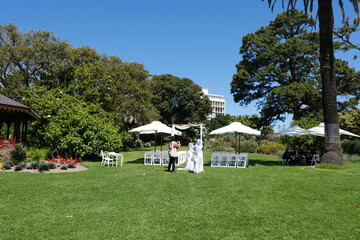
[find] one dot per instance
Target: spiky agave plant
(18, 153)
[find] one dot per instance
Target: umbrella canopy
(236, 128)
(293, 131)
(320, 131)
(154, 128)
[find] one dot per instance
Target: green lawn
(264, 201)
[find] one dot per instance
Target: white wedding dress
(189, 163)
(199, 160)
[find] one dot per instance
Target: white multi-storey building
(217, 103)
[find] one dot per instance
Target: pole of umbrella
(161, 143)
(239, 143)
(155, 141)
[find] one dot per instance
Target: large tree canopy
(179, 100)
(280, 70)
(333, 152)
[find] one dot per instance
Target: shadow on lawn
(137, 161)
(264, 163)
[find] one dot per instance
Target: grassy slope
(264, 201)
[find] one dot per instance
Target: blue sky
(196, 39)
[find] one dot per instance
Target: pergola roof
(8, 104)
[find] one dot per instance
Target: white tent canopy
(320, 131)
(293, 131)
(236, 128)
(154, 128)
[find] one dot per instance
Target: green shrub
(37, 154)
(43, 166)
(18, 168)
(248, 146)
(352, 157)
(34, 165)
(23, 165)
(71, 165)
(51, 165)
(351, 147)
(129, 142)
(64, 167)
(138, 143)
(9, 162)
(270, 148)
(18, 153)
(7, 165)
(147, 144)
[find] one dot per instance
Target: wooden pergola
(16, 115)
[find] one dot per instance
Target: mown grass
(264, 201)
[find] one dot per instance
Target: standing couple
(194, 157)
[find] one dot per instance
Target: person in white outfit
(189, 154)
(198, 158)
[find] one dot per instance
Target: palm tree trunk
(333, 152)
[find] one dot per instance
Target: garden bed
(78, 168)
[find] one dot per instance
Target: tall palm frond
(309, 6)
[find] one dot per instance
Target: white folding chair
(232, 160)
(223, 161)
(148, 158)
(106, 159)
(215, 159)
(165, 158)
(315, 159)
(242, 160)
(157, 158)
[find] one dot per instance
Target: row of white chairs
(226, 159)
(162, 158)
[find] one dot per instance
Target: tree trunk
(332, 151)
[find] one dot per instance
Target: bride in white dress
(198, 158)
(190, 152)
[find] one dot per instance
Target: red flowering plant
(63, 161)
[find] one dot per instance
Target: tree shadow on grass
(264, 163)
(137, 161)
(271, 163)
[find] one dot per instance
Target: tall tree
(25, 58)
(333, 152)
(279, 68)
(179, 100)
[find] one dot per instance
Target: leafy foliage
(179, 100)
(70, 125)
(280, 70)
(217, 122)
(349, 120)
(270, 147)
(351, 147)
(18, 153)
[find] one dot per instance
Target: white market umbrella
(320, 131)
(236, 128)
(293, 131)
(154, 128)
